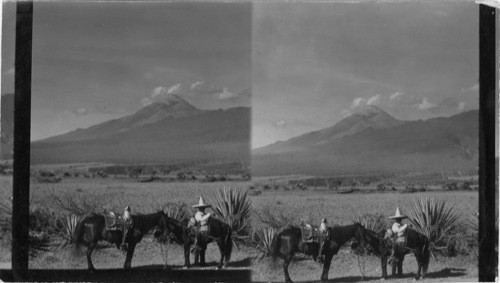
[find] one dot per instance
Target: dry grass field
(113, 194)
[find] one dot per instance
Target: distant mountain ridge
(173, 131)
(375, 142)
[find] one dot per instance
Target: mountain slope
(158, 133)
(431, 145)
(174, 107)
(368, 117)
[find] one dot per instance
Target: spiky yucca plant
(233, 206)
(434, 218)
(66, 228)
(178, 211)
(263, 240)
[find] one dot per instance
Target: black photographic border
(20, 215)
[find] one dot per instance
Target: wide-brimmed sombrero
(201, 203)
(398, 215)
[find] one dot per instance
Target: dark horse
(289, 241)
(419, 245)
(219, 232)
(381, 247)
(92, 228)
(177, 232)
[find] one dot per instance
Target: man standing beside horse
(202, 218)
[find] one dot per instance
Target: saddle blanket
(113, 222)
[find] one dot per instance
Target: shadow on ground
(141, 274)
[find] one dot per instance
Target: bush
(263, 240)
(233, 206)
(275, 217)
(433, 218)
(177, 211)
(77, 204)
(65, 228)
(450, 186)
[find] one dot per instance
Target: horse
(416, 243)
(92, 228)
(219, 232)
(289, 241)
(177, 232)
(381, 247)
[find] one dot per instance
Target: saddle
(114, 222)
(310, 233)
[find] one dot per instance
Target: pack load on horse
(406, 240)
(209, 229)
(119, 230)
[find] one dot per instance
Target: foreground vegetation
(256, 217)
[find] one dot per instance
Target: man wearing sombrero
(202, 218)
(398, 230)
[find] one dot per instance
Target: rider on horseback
(201, 217)
(127, 224)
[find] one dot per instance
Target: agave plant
(233, 206)
(178, 211)
(66, 228)
(263, 240)
(434, 218)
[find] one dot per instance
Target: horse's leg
(130, 254)
(326, 267)
(90, 248)
(286, 263)
(186, 256)
(400, 265)
(202, 255)
(383, 261)
(222, 254)
(418, 256)
(197, 258)
(394, 266)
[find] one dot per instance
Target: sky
(316, 63)
(97, 61)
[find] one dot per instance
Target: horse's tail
(79, 234)
(426, 256)
(276, 245)
(229, 244)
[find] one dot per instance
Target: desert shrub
(466, 186)
(181, 176)
(381, 187)
(374, 222)
(450, 186)
(77, 204)
(65, 228)
(434, 218)
(233, 206)
(255, 193)
(275, 217)
(263, 240)
(179, 211)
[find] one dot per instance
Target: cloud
(461, 106)
(396, 95)
(81, 111)
(282, 123)
(175, 89)
(146, 101)
(345, 113)
(361, 101)
(426, 105)
(195, 84)
(473, 88)
(226, 94)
